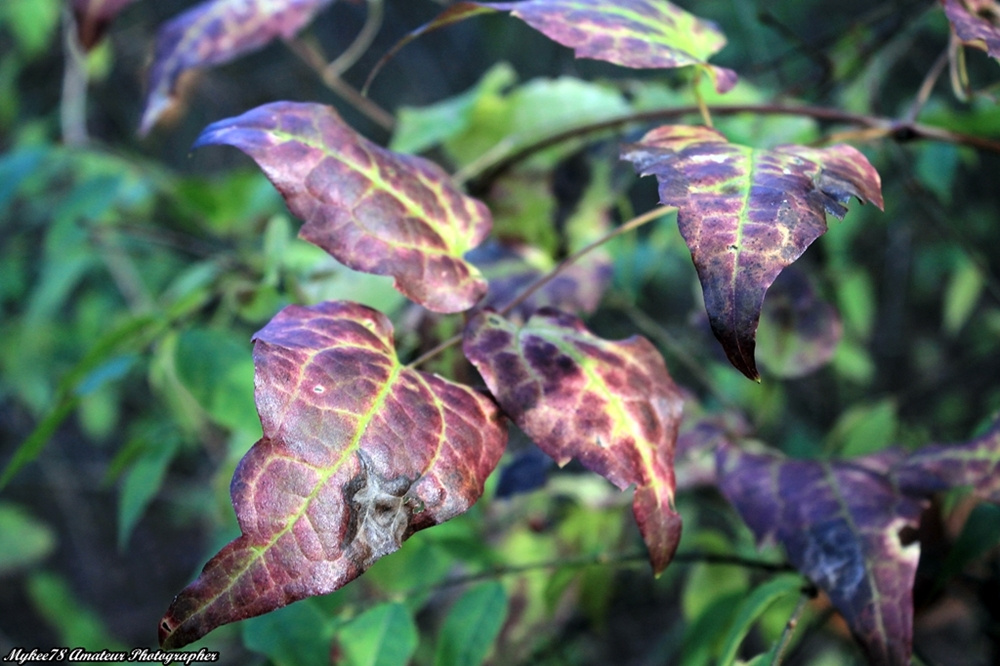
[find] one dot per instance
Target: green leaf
(472, 625)
(76, 624)
(747, 213)
(297, 635)
(24, 540)
(753, 607)
(381, 636)
(358, 453)
(142, 481)
(961, 295)
(420, 128)
(218, 371)
(864, 429)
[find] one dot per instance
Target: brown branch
(878, 128)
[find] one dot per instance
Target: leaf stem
(73, 104)
(778, 653)
(706, 117)
(634, 223)
(351, 55)
(924, 93)
(309, 52)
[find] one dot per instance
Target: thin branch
(793, 621)
(634, 223)
(600, 559)
(880, 128)
(310, 54)
(924, 93)
(347, 59)
(73, 103)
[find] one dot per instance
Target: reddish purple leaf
(699, 440)
(643, 34)
(746, 213)
(511, 268)
(358, 453)
(842, 525)
(372, 209)
(944, 466)
(93, 18)
(976, 22)
(804, 330)
(216, 32)
(611, 405)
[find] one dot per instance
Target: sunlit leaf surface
(215, 32)
(976, 22)
(746, 213)
(372, 209)
(611, 405)
(844, 525)
(358, 453)
(93, 17)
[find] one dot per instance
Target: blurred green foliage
(131, 281)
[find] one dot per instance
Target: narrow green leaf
(472, 625)
(381, 636)
(753, 607)
(24, 540)
(76, 624)
(141, 483)
(961, 295)
(296, 635)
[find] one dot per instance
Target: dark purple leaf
(215, 32)
(611, 405)
(843, 525)
(372, 209)
(746, 213)
(358, 453)
(802, 330)
(976, 22)
(93, 18)
(944, 466)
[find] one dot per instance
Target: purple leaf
(372, 209)
(976, 22)
(358, 453)
(611, 405)
(746, 213)
(93, 18)
(511, 268)
(804, 330)
(842, 525)
(943, 466)
(215, 32)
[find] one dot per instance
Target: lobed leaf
(746, 213)
(93, 18)
(976, 22)
(642, 34)
(943, 466)
(611, 405)
(215, 32)
(842, 525)
(372, 209)
(358, 453)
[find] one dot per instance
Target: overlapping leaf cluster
(359, 451)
